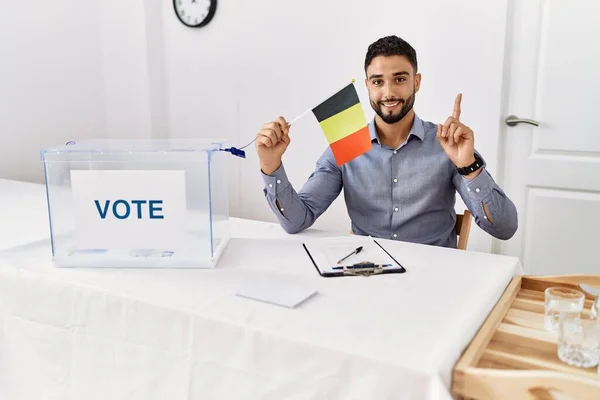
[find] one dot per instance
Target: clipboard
(374, 260)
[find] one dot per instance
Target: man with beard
(405, 187)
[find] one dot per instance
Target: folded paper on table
(277, 292)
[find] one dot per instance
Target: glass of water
(561, 302)
(579, 341)
(596, 308)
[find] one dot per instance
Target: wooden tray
(512, 356)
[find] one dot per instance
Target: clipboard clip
(363, 269)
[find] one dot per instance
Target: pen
(359, 266)
(356, 251)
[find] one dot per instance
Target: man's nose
(387, 92)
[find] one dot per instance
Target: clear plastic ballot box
(137, 203)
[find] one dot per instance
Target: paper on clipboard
(326, 252)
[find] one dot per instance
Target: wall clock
(195, 13)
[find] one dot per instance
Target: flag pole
(306, 112)
(299, 116)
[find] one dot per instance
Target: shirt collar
(416, 129)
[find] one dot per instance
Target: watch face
(195, 13)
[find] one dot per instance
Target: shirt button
(395, 151)
(396, 209)
(395, 180)
(270, 185)
(477, 190)
(278, 181)
(395, 235)
(281, 209)
(468, 189)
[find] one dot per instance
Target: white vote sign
(129, 209)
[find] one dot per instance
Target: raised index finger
(456, 111)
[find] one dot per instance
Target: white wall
(133, 58)
(258, 60)
(125, 67)
(71, 72)
(202, 72)
(51, 80)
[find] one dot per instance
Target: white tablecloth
(183, 334)
(23, 213)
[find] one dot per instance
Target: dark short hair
(391, 46)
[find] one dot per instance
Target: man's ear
(417, 82)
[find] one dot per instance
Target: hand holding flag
(342, 120)
(271, 142)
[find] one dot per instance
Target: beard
(407, 105)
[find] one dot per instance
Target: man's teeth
(391, 104)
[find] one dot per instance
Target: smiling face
(392, 84)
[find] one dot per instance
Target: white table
(183, 334)
(23, 213)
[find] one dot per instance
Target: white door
(552, 171)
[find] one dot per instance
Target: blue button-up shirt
(407, 193)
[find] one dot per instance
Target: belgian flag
(343, 121)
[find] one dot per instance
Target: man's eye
(400, 79)
(377, 82)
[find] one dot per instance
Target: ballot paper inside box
(137, 203)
